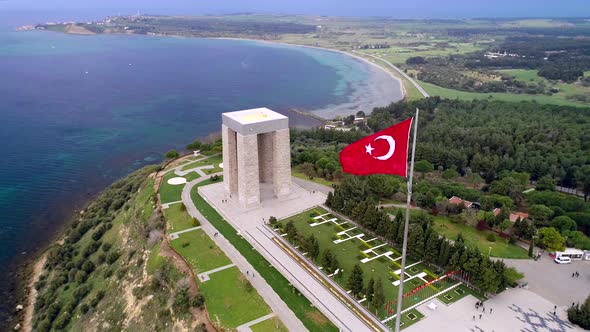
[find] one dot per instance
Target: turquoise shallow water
(79, 112)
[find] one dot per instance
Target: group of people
(575, 275)
(479, 304)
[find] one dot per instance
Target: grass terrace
(172, 193)
(269, 325)
(232, 300)
(199, 251)
(213, 161)
(351, 246)
(178, 219)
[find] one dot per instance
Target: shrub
(185, 244)
(198, 301)
(172, 154)
(196, 222)
(112, 257)
(491, 237)
(84, 308)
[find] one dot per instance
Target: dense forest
(357, 198)
(487, 137)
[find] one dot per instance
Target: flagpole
(407, 222)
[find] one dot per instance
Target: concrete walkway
(205, 275)
(246, 327)
(174, 236)
(401, 72)
(266, 292)
(167, 205)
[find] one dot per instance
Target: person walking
(490, 310)
(479, 316)
(473, 317)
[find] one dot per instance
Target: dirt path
(32, 294)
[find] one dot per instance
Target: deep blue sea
(79, 112)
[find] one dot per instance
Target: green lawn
(213, 160)
(349, 253)
(311, 317)
(458, 293)
(435, 90)
(178, 219)
(201, 252)
(298, 174)
(473, 237)
(230, 302)
(170, 193)
(270, 325)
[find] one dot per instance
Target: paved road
(268, 294)
(401, 72)
(312, 186)
(554, 281)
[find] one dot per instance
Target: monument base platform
(245, 219)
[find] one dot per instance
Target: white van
(562, 260)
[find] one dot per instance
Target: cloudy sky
(392, 8)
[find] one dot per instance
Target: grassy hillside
(111, 273)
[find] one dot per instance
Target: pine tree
(432, 247)
(313, 247)
(355, 281)
(378, 295)
(455, 260)
(370, 216)
(327, 261)
(444, 254)
(370, 290)
(399, 239)
(531, 247)
(416, 241)
(329, 199)
(291, 231)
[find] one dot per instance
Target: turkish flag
(385, 152)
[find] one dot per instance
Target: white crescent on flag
(391, 143)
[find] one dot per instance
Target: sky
(389, 8)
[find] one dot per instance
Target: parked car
(562, 260)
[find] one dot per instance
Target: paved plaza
(554, 281)
(513, 310)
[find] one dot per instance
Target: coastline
(364, 60)
(33, 267)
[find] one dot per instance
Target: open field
(377, 260)
(475, 238)
(435, 90)
(231, 301)
(311, 317)
(399, 55)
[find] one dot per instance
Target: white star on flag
(369, 149)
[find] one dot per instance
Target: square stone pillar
(266, 156)
(248, 171)
(230, 160)
(281, 162)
